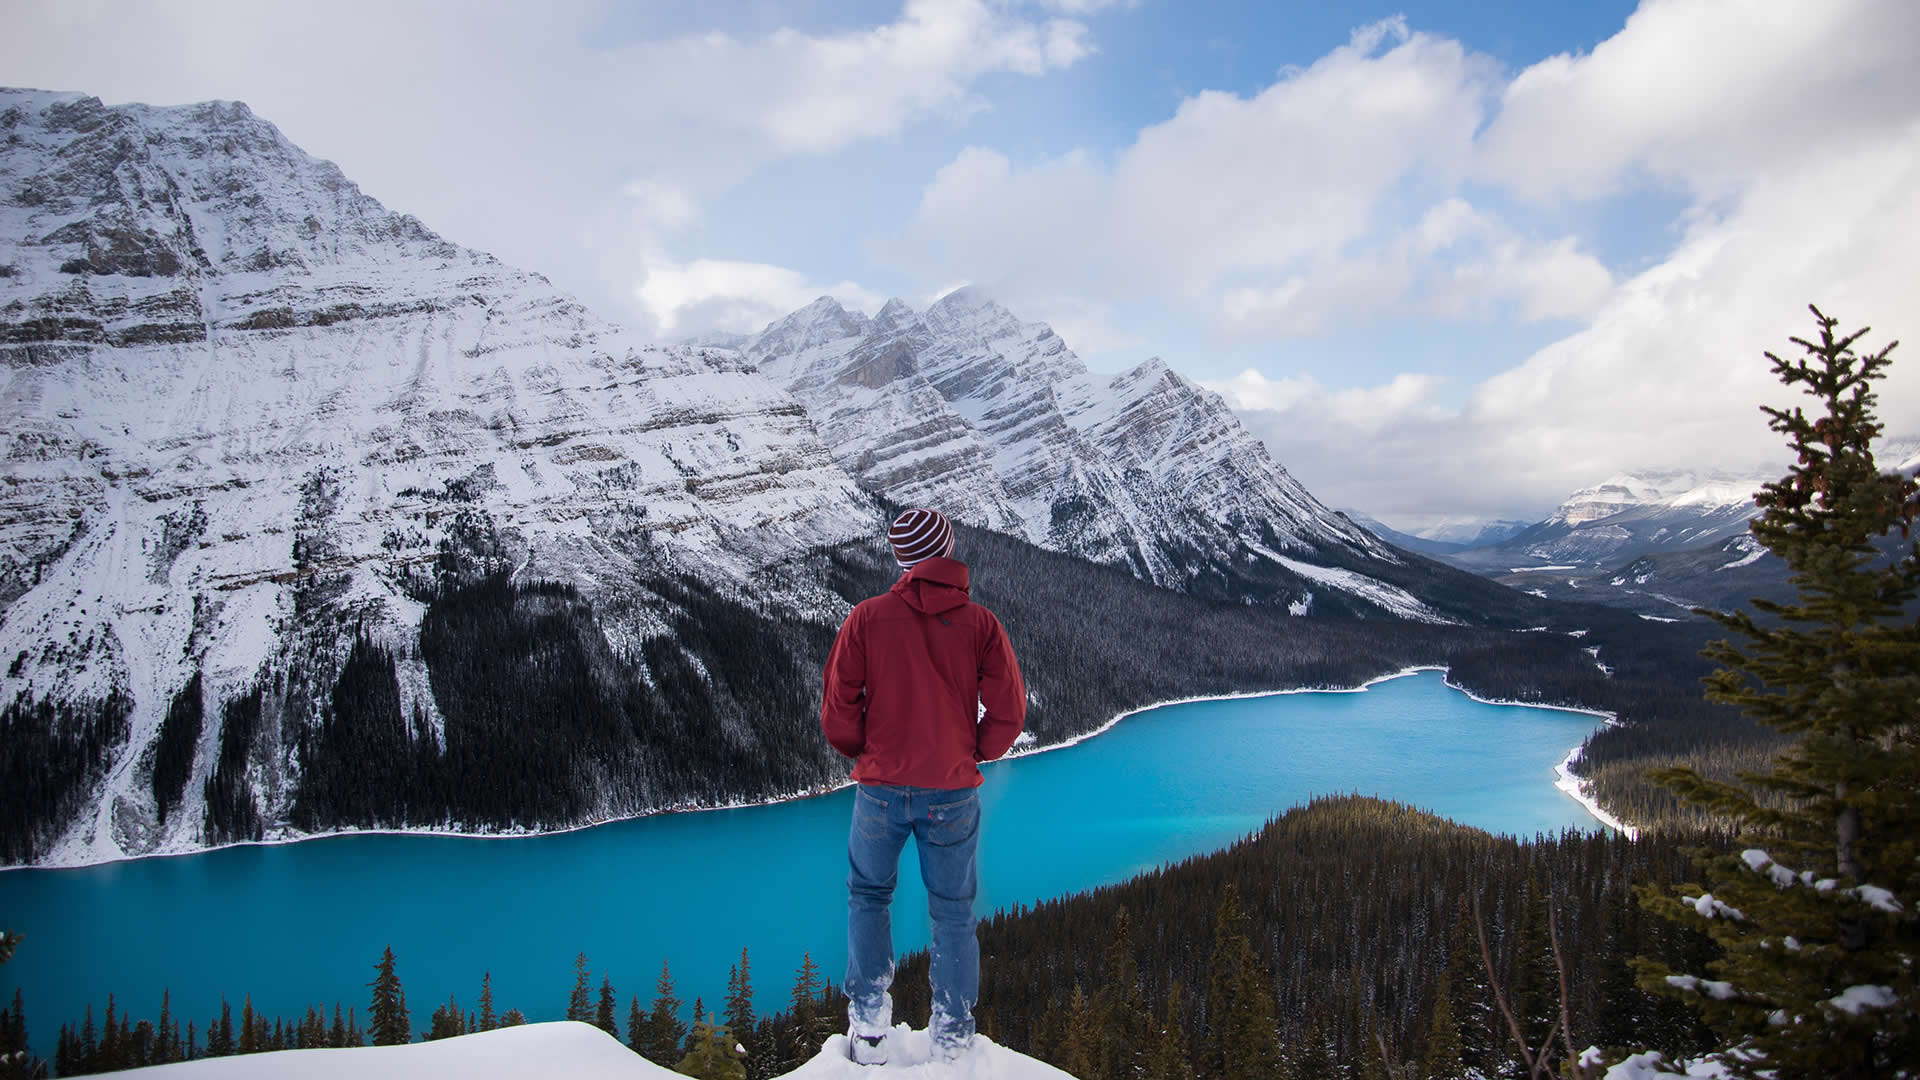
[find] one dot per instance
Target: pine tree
(1535, 994)
(448, 1021)
(1440, 1059)
(603, 1013)
(1819, 915)
(513, 1018)
(1080, 1042)
(713, 1054)
(1472, 1004)
(1314, 1059)
(249, 1037)
(222, 1032)
(636, 1026)
(1120, 1008)
(15, 1060)
(1223, 982)
(488, 1021)
(665, 1029)
(580, 1002)
(810, 1027)
(1241, 1043)
(694, 1038)
(165, 1038)
(1169, 1060)
(739, 1014)
(388, 1012)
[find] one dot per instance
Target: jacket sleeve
(1002, 692)
(843, 701)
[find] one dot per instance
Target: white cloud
(794, 92)
(1706, 92)
(1456, 262)
(1668, 373)
(1272, 213)
(738, 297)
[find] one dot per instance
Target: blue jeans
(946, 830)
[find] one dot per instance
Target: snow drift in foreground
(582, 1052)
(578, 1051)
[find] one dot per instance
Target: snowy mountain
(1624, 518)
(1445, 538)
(251, 416)
(968, 409)
(312, 520)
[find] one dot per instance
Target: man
(905, 685)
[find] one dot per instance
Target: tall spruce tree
(739, 1009)
(1241, 1036)
(1169, 1060)
(603, 1012)
(15, 1060)
(1080, 1041)
(488, 1021)
(1472, 1004)
(1440, 1057)
(1818, 914)
(811, 1026)
(665, 1029)
(1121, 1008)
(388, 1012)
(580, 1001)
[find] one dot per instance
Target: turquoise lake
(302, 924)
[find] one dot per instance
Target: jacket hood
(934, 586)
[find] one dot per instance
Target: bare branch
(1499, 997)
(1566, 1017)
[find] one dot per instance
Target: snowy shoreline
(1564, 781)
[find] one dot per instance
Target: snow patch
(1857, 999)
(1395, 599)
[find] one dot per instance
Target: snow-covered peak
(967, 312)
(1655, 488)
(819, 323)
(968, 409)
(166, 192)
(895, 314)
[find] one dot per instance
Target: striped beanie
(918, 535)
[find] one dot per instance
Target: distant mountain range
(1446, 540)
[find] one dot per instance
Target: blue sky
(1449, 260)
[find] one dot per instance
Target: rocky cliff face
(251, 415)
(965, 408)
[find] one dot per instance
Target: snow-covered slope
(966, 408)
(248, 412)
(579, 1051)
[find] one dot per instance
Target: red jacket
(907, 675)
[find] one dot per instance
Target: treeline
(1356, 923)
(52, 754)
(725, 1043)
(545, 724)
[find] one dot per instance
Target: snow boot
(867, 1049)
